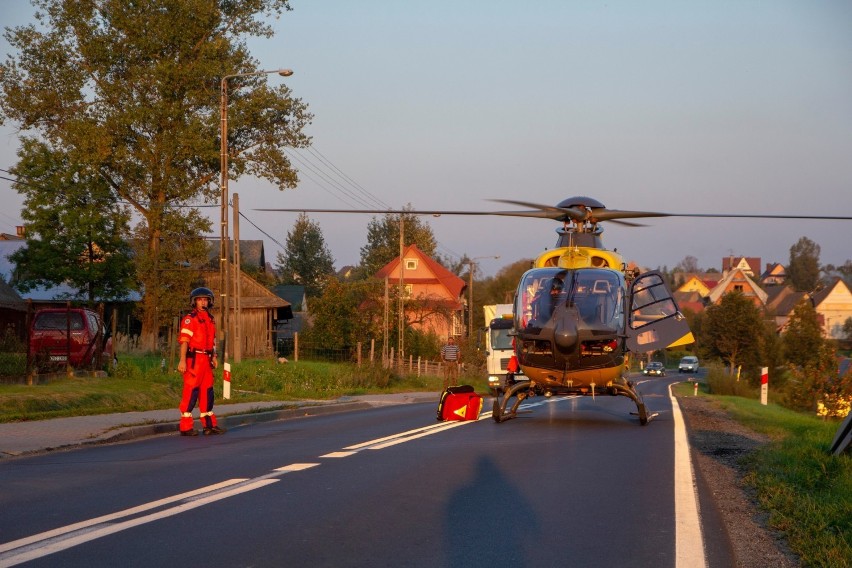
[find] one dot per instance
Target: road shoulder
(719, 443)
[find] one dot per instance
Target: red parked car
(88, 345)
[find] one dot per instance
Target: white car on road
(688, 364)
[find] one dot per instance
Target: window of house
(411, 264)
(409, 289)
(457, 325)
(739, 288)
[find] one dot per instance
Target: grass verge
(806, 491)
(140, 383)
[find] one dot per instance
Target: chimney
(20, 230)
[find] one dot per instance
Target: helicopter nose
(565, 334)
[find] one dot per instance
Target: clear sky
(698, 106)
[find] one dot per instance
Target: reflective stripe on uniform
(186, 414)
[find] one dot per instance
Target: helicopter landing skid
(519, 390)
(499, 413)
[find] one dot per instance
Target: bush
(719, 382)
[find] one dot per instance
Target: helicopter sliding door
(655, 321)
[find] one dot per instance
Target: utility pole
(472, 265)
(401, 330)
(238, 342)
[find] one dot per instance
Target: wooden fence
(294, 350)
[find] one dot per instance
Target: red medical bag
(459, 403)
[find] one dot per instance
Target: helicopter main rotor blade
(761, 216)
(548, 211)
(436, 213)
(593, 215)
(599, 214)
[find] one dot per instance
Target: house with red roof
(434, 296)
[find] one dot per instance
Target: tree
(803, 270)
(307, 260)
(75, 229)
(130, 93)
(689, 264)
(500, 289)
(346, 313)
(732, 330)
(819, 380)
(847, 329)
(383, 239)
(803, 339)
(844, 271)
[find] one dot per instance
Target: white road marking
(338, 455)
(113, 516)
(441, 426)
(296, 467)
(689, 542)
(78, 537)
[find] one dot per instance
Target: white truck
(498, 345)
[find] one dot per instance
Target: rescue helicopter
(579, 312)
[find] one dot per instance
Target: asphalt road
(571, 482)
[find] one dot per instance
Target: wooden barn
(13, 313)
(258, 310)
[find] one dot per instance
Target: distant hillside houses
(768, 290)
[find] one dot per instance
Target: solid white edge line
(689, 541)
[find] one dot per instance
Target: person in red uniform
(197, 361)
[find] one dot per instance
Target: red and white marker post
(226, 377)
(764, 386)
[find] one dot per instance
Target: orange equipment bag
(459, 403)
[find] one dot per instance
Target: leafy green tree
(383, 239)
(307, 260)
(732, 330)
(75, 229)
(847, 329)
(130, 91)
(346, 313)
(803, 269)
(179, 266)
(500, 289)
(803, 338)
(819, 380)
(844, 271)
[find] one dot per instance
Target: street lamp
(223, 165)
(472, 263)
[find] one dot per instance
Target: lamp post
(223, 165)
(472, 264)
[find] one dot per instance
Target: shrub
(720, 382)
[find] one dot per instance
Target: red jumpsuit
(198, 330)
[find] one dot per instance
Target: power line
(273, 239)
(352, 182)
(311, 166)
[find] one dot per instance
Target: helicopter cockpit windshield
(596, 293)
